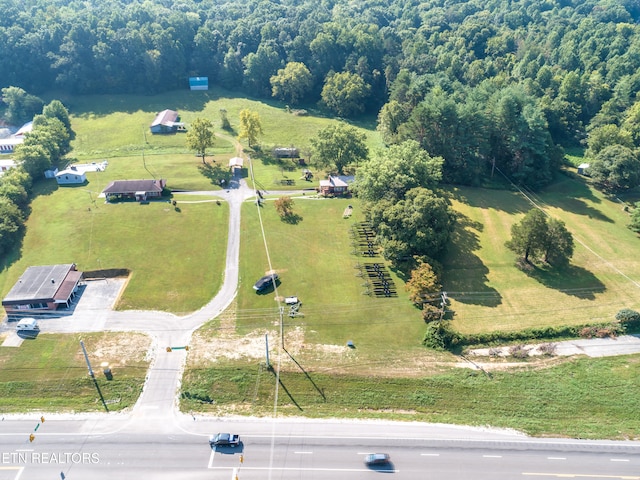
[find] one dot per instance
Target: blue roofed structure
(199, 83)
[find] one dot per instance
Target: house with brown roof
(43, 288)
(167, 121)
(138, 190)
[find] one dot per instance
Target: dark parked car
(265, 282)
(376, 459)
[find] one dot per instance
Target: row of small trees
(44, 146)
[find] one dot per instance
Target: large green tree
(33, 158)
(616, 167)
(529, 237)
(338, 147)
(11, 224)
(541, 239)
(346, 93)
(394, 171)
(56, 109)
(292, 83)
(200, 137)
(419, 224)
(559, 245)
(20, 105)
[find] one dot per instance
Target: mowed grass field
(488, 292)
(119, 127)
(175, 255)
(316, 262)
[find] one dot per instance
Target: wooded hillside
(482, 83)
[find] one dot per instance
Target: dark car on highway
(377, 459)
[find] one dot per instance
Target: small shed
(71, 176)
(198, 83)
(286, 152)
(582, 169)
(236, 162)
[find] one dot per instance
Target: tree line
(43, 148)
(489, 85)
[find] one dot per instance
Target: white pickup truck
(224, 440)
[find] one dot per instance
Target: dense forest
(485, 84)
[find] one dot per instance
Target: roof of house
(165, 117)
(71, 171)
(44, 284)
(333, 182)
(133, 186)
(26, 128)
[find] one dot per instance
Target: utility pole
(93, 377)
(266, 339)
(282, 327)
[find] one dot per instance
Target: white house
(71, 176)
(6, 164)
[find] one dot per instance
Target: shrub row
(441, 336)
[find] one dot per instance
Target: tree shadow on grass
(292, 218)
(465, 278)
(215, 173)
(570, 280)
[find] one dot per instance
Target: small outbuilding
(198, 83)
(286, 152)
(71, 176)
(236, 162)
(138, 190)
(582, 169)
(167, 121)
(43, 288)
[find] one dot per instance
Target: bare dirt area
(221, 343)
(119, 349)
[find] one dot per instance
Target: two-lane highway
(117, 448)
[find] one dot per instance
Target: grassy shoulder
(50, 373)
(550, 401)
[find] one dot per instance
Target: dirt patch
(120, 350)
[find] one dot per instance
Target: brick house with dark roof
(139, 190)
(45, 287)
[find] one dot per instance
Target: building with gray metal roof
(45, 287)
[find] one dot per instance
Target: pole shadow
(318, 389)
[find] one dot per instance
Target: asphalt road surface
(103, 447)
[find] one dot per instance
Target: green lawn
(50, 373)
(488, 292)
(172, 268)
(315, 262)
(120, 128)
